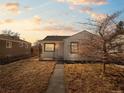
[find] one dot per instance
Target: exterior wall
(80, 37)
(15, 51)
(75, 38)
(57, 54)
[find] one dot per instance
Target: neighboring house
(13, 47)
(63, 47)
(119, 48)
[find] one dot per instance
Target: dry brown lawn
(28, 76)
(88, 78)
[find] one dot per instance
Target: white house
(65, 47)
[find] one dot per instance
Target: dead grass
(29, 76)
(88, 78)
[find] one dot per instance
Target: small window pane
(74, 47)
(8, 44)
(49, 47)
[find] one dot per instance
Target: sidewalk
(56, 84)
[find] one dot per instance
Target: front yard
(29, 76)
(88, 78)
(32, 76)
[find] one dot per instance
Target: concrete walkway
(56, 84)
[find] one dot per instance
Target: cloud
(61, 0)
(86, 2)
(86, 10)
(73, 7)
(94, 15)
(87, 7)
(60, 28)
(37, 19)
(28, 8)
(97, 16)
(21, 24)
(12, 7)
(6, 21)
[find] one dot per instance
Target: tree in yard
(10, 33)
(89, 48)
(110, 34)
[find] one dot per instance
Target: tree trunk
(105, 56)
(104, 68)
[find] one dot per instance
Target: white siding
(57, 54)
(62, 48)
(84, 35)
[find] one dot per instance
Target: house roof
(82, 33)
(11, 38)
(55, 38)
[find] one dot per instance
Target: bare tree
(108, 30)
(90, 48)
(10, 33)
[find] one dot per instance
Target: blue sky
(35, 19)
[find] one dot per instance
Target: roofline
(14, 40)
(52, 40)
(80, 32)
(55, 40)
(73, 34)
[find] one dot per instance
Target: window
(49, 47)
(21, 44)
(74, 47)
(8, 44)
(26, 45)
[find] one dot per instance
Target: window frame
(48, 50)
(71, 48)
(21, 44)
(10, 44)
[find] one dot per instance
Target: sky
(35, 19)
